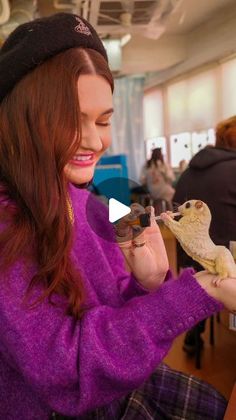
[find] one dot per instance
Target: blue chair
(111, 178)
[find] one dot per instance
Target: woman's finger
(136, 210)
(124, 229)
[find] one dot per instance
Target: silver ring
(137, 245)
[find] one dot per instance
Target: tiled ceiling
(112, 19)
(106, 14)
(116, 17)
(141, 12)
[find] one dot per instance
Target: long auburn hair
(226, 134)
(156, 156)
(40, 131)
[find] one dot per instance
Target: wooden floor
(218, 361)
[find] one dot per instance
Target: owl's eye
(187, 205)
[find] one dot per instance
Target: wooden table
(170, 244)
(230, 413)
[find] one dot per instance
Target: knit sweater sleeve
(75, 366)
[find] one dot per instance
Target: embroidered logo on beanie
(82, 28)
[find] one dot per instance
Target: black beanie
(34, 42)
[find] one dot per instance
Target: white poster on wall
(180, 147)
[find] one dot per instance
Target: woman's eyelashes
(103, 124)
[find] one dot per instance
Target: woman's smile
(83, 159)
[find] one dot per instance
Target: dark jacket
(211, 177)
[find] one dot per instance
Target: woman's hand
(225, 292)
(148, 262)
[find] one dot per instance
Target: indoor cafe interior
(173, 138)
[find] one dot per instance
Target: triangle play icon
(117, 210)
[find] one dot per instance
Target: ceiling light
(125, 39)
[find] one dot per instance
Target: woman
(158, 177)
(79, 335)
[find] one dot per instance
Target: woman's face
(95, 98)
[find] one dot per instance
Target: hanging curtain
(127, 123)
(153, 114)
(228, 88)
(192, 103)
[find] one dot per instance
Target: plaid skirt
(166, 395)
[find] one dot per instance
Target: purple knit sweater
(51, 362)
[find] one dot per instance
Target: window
(153, 114)
(192, 103)
(177, 111)
(202, 100)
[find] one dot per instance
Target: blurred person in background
(183, 164)
(210, 177)
(158, 177)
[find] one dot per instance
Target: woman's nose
(91, 138)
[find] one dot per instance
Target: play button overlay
(109, 201)
(117, 210)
